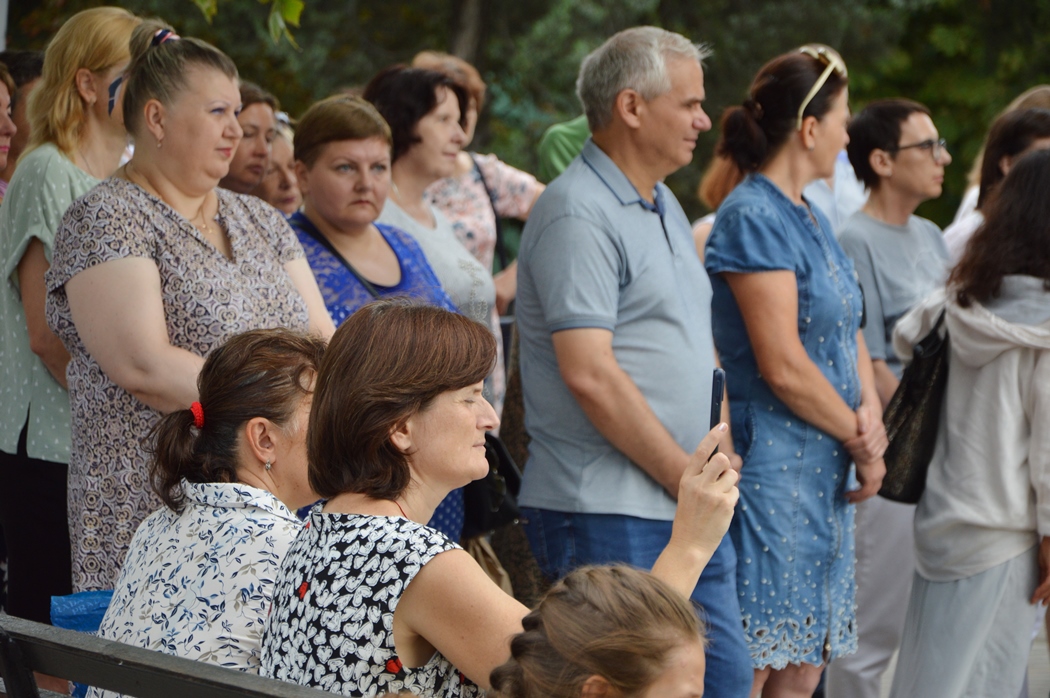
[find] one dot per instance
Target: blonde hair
(1037, 97)
(96, 40)
(615, 622)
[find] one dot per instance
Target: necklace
(148, 186)
(88, 167)
(398, 505)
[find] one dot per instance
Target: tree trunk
(467, 40)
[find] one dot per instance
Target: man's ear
(881, 162)
(629, 105)
(596, 687)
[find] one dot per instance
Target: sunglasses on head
(834, 64)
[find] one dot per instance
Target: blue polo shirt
(596, 254)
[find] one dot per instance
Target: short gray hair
(633, 59)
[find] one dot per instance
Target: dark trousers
(36, 532)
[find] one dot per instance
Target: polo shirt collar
(614, 178)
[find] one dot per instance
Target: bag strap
(501, 246)
(311, 230)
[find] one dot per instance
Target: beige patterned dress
(207, 298)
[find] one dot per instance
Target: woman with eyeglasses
(787, 311)
(76, 142)
(153, 269)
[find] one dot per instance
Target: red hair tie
(198, 414)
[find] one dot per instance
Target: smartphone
(718, 389)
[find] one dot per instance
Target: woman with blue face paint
(75, 143)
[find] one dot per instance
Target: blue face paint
(114, 88)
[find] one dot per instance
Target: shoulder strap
(311, 230)
(501, 247)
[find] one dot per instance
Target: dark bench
(26, 646)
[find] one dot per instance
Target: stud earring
(268, 466)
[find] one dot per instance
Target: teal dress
(793, 529)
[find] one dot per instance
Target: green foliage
(966, 59)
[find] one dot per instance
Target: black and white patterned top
(331, 624)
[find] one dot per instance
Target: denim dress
(793, 528)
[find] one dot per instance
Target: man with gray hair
(616, 350)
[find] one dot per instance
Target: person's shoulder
(924, 225)
(45, 160)
(856, 230)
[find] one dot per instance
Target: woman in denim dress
(787, 311)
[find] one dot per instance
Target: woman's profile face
(683, 677)
(200, 130)
(348, 183)
(447, 439)
(7, 125)
(831, 135)
(441, 138)
(280, 186)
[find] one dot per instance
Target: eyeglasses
(937, 147)
(834, 64)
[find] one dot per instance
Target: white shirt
(199, 584)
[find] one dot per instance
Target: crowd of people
(251, 363)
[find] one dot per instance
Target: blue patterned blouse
(343, 293)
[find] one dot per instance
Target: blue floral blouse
(794, 528)
(343, 293)
(199, 584)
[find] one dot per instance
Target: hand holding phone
(718, 389)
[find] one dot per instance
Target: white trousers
(969, 638)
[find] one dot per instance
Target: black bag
(912, 418)
(492, 501)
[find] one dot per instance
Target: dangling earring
(160, 142)
(268, 466)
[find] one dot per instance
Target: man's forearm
(620, 412)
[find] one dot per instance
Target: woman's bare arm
(42, 341)
(118, 310)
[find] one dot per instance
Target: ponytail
(743, 141)
(754, 131)
(261, 373)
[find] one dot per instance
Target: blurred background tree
(966, 59)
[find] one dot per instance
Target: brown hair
(96, 40)
(405, 95)
(615, 622)
(1015, 235)
(1010, 135)
(753, 132)
(388, 361)
(253, 94)
(159, 72)
(456, 68)
(260, 373)
(1037, 97)
(337, 118)
(720, 178)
